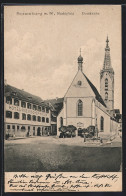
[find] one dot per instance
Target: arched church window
(80, 108)
(106, 84)
(102, 123)
(61, 121)
(106, 96)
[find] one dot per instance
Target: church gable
(79, 87)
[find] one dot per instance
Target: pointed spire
(107, 58)
(107, 41)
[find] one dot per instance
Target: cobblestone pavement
(77, 141)
(48, 154)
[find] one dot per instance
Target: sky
(41, 49)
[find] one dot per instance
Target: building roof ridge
(97, 94)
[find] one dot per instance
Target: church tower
(107, 80)
(80, 62)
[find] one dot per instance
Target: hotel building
(26, 114)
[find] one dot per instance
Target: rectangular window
(28, 105)
(43, 109)
(47, 110)
(23, 116)
(28, 117)
(16, 102)
(47, 120)
(34, 107)
(34, 118)
(23, 104)
(43, 119)
(39, 108)
(8, 100)
(39, 119)
(8, 126)
(16, 115)
(17, 127)
(8, 114)
(33, 128)
(13, 127)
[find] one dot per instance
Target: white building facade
(25, 114)
(83, 106)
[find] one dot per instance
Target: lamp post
(96, 127)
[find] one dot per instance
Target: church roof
(22, 95)
(98, 96)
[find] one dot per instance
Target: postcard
(62, 98)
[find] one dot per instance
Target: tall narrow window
(23, 116)
(28, 117)
(16, 115)
(39, 119)
(61, 121)
(43, 119)
(106, 84)
(23, 104)
(102, 123)
(16, 102)
(8, 100)
(39, 108)
(34, 107)
(47, 120)
(28, 105)
(80, 108)
(106, 96)
(34, 118)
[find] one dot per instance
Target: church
(82, 104)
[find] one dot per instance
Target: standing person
(84, 137)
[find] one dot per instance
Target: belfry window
(106, 96)
(102, 123)
(80, 108)
(106, 84)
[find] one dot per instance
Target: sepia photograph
(62, 94)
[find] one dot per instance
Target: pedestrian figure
(84, 137)
(101, 141)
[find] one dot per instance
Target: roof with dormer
(22, 95)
